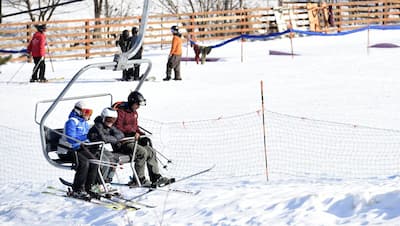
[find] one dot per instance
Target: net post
(264, 132)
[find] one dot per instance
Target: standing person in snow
(127, 122)
(175, 54)
(76, 129)
(37, 50)
(125, 43)
(138, 55)
(104, 130)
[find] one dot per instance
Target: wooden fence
(97, 37)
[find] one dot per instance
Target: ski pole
(51, 60)
(161, 163)
(12, 77)
(145, 130)
(36, 67)
(168, 160)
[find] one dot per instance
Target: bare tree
(98, 8)
(185, 6)
(47, 11)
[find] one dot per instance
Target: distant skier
(175, 55)
(125, 43)
(37, 49)
(138, 55)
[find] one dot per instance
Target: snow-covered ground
(333, 79)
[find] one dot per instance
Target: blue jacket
(76, 127)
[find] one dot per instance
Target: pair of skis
(160, 188)
(102, 201)
(118, 202)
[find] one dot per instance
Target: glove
(144, 141)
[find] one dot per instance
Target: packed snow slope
(332, 79)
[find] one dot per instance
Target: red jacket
(36, 46)
(127, 122)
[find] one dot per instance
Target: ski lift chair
(62, 153)
(51, 142)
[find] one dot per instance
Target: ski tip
(64, 182)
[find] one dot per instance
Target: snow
(333, 78)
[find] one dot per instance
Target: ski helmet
(136, 98)
(41, 27)
(174, 29)
(82, 109)
(109, 112)
(134, 30)
(125, 34)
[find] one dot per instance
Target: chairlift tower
(120, 62)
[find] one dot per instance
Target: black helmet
(136, 98)
(41, 27)
(134, 30)
(175, 29)
(125, 34)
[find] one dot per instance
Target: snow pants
(86, 172)
(174, 62)
(145, 155)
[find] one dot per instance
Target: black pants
(131, 73)
(40, 67)
(86, 172)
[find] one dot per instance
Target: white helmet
(82, 109)
(109, 112)
(81, 105)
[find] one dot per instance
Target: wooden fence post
(339, 16)
(87, 37)
(385, 12)
(29, 37)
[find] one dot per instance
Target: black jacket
(100, 132)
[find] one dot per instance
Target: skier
(104, 130)
(138, 55)
(175, 54)
(37, 49)
(127, 122)
(125, 43)
(76, 129)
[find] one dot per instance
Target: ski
(190, 176)
(148, 79)
(50, 80)
(64, 182)
(121, 199)
(110, 204)
(111, 195)
(179, 180)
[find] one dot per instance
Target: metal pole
(51, 60)
(264, 132)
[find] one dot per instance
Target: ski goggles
(142, 103)
(86, 112)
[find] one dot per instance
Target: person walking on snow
(175, 55)
(127, 122)
(37, 50)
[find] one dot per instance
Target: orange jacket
(176, 48)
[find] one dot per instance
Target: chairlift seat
(58, 152)
(62, 153)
